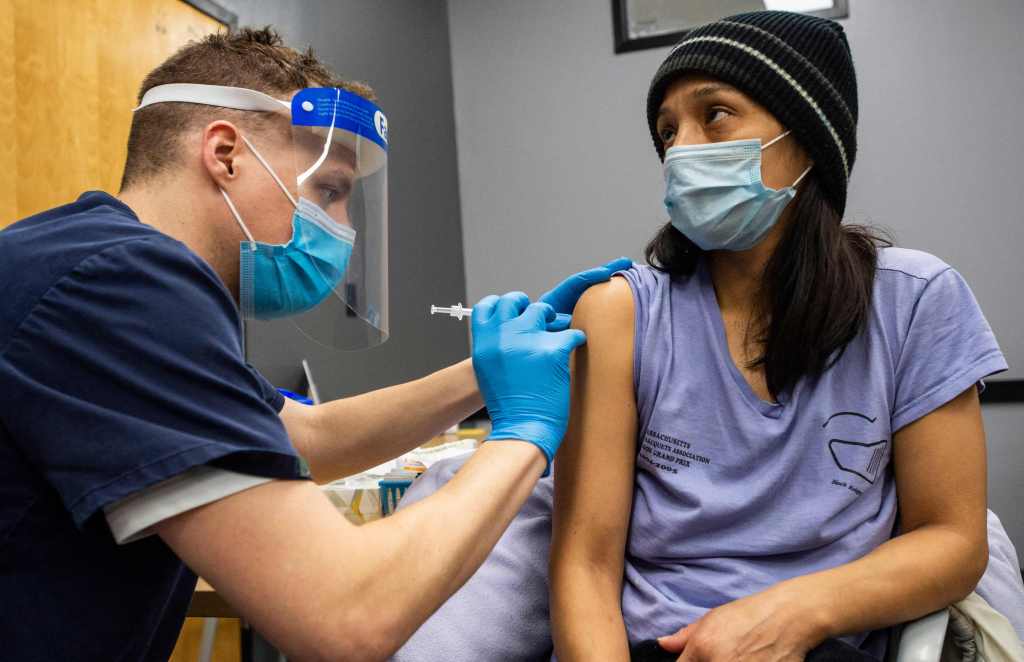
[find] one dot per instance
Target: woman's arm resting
(594, 483)
(939, 463)
(940, 470)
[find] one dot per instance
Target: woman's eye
(667, 135)
(716, 114)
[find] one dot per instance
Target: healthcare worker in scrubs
(138, 448)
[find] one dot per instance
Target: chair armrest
(921, 640)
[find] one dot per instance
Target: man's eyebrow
(337, 173)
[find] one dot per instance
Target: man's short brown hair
(252, 58)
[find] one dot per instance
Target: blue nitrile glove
(523, 369)
(564, 296)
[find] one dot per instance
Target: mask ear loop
(776, 139)
(802, 175)
(231, 205)
(244, 301)
(238, 217)
(263, 162)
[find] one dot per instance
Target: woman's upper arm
(940, 468)
(594, 468)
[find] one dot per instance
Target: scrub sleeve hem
(276, 465)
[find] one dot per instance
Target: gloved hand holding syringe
(562, 298)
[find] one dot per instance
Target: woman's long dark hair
(816, 287)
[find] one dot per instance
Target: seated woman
(776, 443)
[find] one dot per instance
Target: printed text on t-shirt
(668, 453)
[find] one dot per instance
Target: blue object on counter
(391, 492)
(294, 396)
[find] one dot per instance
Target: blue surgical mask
(715, 196)
(281, 280)
(278, 280)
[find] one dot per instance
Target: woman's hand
(772, 626)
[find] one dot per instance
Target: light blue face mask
(715, 196)
(278, 280)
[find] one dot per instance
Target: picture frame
(625, 41)
(215, 11)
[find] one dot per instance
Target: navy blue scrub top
(121, 366)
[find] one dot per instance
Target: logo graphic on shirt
(860, 458)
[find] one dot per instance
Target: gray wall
(941, 87)
(556, 167)
(1004, 429)
(557, 170)
(401, 48)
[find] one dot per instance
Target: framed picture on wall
(641, 24)
(216, 11)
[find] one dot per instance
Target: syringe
(457, 311)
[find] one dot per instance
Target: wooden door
(70, 72)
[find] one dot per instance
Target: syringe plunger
(458, 311)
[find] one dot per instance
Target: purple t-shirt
(734, 494)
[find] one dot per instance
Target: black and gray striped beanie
(797, 66)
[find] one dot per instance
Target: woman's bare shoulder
(607, 307)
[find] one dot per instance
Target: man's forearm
(429, 550)
(346, 436)
(294, 567)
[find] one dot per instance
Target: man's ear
(222, 144)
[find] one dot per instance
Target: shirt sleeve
(948, 347)
(268, 392)
(133, 517)
(129, 371)
(641, 283)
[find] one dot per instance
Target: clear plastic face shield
(340, 144)
(330, 281)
